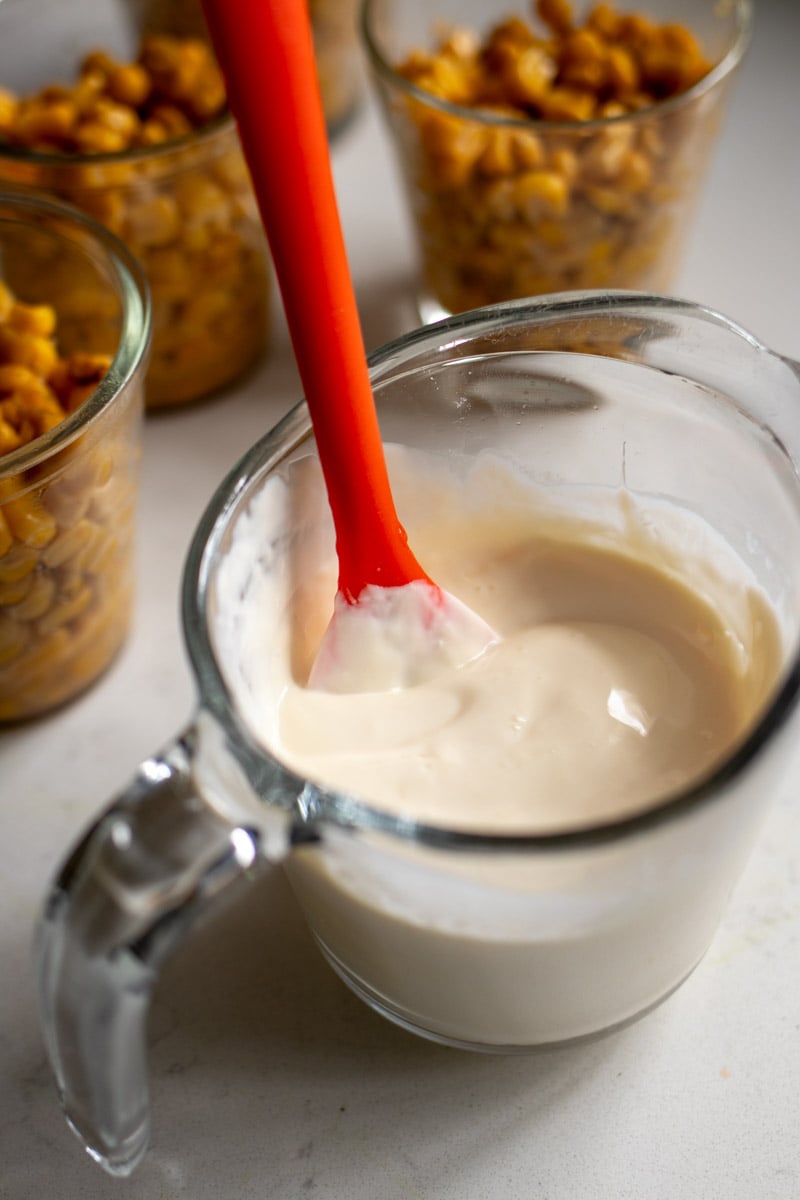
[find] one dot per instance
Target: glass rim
(202, 136)
(326, 806)
(385, 70)
(24, 208)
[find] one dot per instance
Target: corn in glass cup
(68, 497)
(508, 206)
(185, 206)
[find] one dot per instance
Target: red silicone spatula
(265, 50)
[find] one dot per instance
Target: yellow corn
(71, 602)
(36, 319)
(6, 537)
(17, 561)
(29, 520)
(15, 590)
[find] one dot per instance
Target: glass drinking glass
(489, 942)
(185, 207)
(504, 207)
(68, 497)
(338, 54)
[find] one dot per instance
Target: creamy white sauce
(628, 662)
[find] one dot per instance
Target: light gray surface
(269, 1079)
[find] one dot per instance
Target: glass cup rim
(135, 332)
(329, 807)
(203, 137)
(743, 12)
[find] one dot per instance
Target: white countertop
(269, 1079)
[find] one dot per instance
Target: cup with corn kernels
(70, 438)
(118, 107)
(549, 146)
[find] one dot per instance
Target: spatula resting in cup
(392, 626)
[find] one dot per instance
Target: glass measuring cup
(489, 942)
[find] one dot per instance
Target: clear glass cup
(68, 498)
(338, 54)
(496, 943)
(504, 208)
(184, 207)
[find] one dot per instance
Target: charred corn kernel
(208, 95)
(129, 83)
(87, 91)
(93, 137)
(538, 192)
(567, 104)
(605, 19)
(555, 13)
(98, 62)
(153, 133)
(530, 75)
(119, 117)
(45, 121)
(172, 63)
(172, 119)
(622, 75)
(80, 367)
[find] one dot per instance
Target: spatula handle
(265, 50)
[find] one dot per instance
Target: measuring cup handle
(127, 894)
